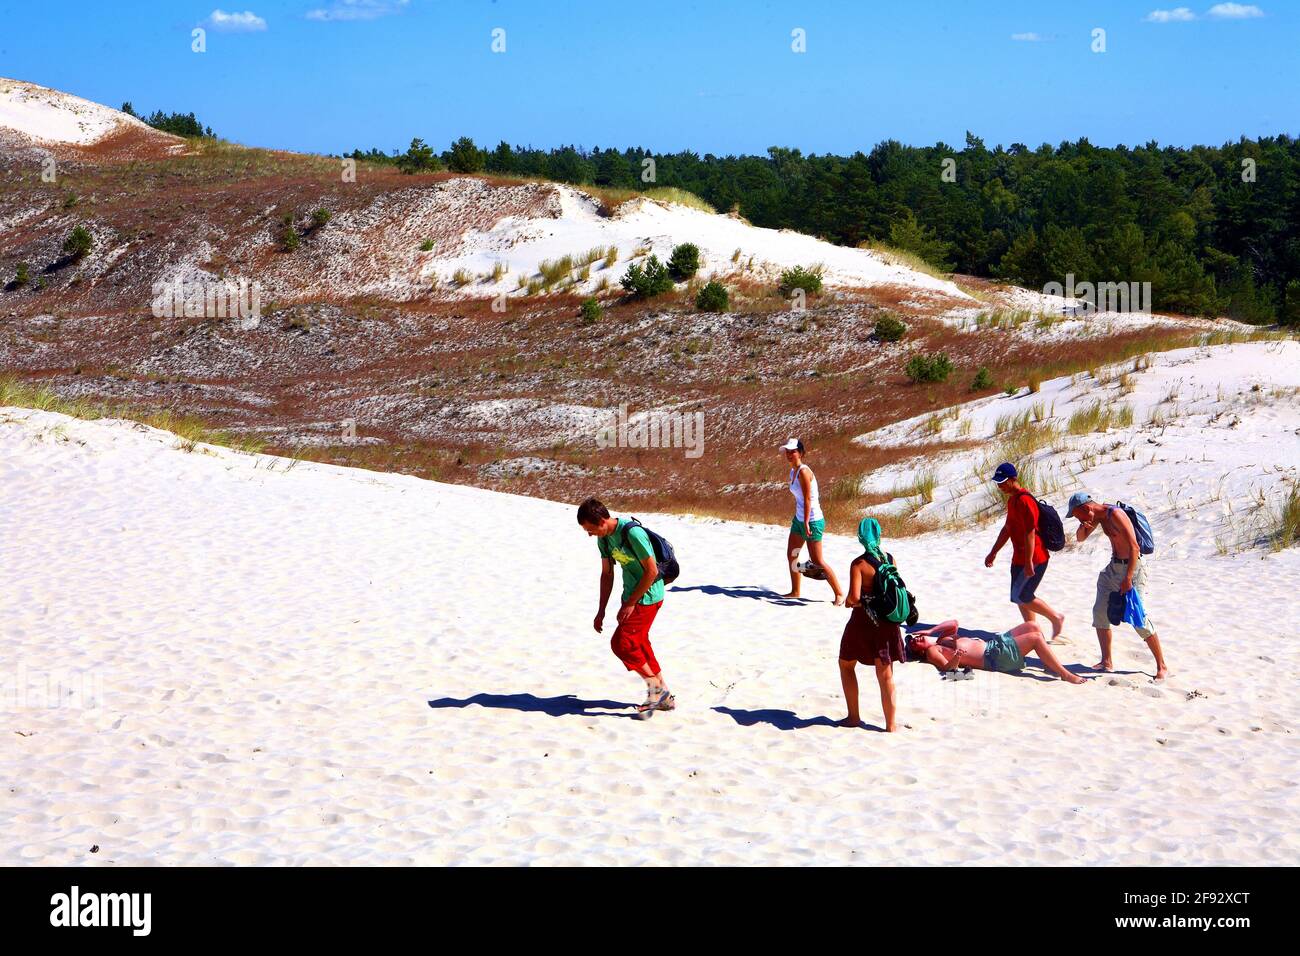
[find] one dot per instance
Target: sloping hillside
(1206, 441)
(37, 119)
(439, 314)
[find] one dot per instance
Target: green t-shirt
(629, 552)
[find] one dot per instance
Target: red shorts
(631, 640)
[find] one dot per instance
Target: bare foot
(850, 722)
(792, 594)
(1073, 679)
(1103, 666)
(1161, 675)
(1058, 625)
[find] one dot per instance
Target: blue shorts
(1023, 588)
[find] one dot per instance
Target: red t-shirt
(1022, 514)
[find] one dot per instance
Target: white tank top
(796, 489)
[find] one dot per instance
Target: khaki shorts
(1110, 579)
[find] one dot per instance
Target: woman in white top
(809, 524)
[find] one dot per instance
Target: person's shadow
(751, 591)
(567, 705)
(780, 719)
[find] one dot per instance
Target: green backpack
(890, 598)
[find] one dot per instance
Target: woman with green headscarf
(868, 639)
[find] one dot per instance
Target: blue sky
(710, 75)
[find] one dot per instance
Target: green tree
(684, 261)
(465, 157)
(418, 158)
(713, 297)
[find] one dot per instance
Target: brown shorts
(870, 643)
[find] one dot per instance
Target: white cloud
(357, 9)
(1235, 11)
(1028, 37)
(246, 22)
(1176, 15)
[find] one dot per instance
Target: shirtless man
(940, 646)
(1125, 571)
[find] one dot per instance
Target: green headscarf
(869, 535)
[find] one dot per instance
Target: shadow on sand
(751, 591)
(568, 705)
(780, 719)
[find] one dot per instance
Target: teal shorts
(818, 528)
(1002, 653)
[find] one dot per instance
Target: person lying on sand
(941, 646)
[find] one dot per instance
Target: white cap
(792, 445)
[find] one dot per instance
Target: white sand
(50, 116)
(523, 243)
(262, 643)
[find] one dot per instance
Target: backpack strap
(627, 527)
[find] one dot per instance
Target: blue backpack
(665, 556)
(1141, 528)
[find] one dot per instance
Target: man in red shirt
(1028, 556)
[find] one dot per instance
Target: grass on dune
(190, 430)
(1284, 522)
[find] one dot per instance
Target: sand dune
(305, 664)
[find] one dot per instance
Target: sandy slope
(1214, 443)
(44, 117)
(728, 245)
(264, 643)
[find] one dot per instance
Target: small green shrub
(889, 328)
(289, 239)
(644, 283)
(929, 368)
(713, 298)
(684, 261)
(320, 217)
(21, 277)
(591, 311)
(426, 246)
(78, 243)
(983, 379)
(810, 280)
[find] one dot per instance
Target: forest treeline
(1214, 229)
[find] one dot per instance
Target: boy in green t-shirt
(643, 594)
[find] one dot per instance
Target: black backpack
(1050, 529)
(665, 556)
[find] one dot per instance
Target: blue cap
(1005, 471)
(1076, 499)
